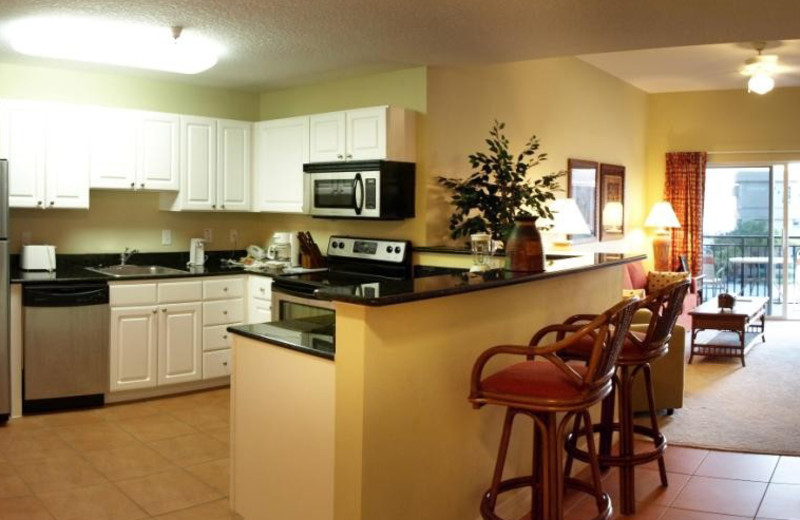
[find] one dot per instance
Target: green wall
(124, 90)
(405, 88)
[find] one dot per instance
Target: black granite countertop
(72, 268)
(315, 336)
(391, 292)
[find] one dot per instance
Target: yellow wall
(403, 88)
(575, 109)
(720, 121)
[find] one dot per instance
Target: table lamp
(612, 217)
(662, 217)
(567, 220)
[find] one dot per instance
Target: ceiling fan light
(760, 84)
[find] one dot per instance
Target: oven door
(344, 194)
(287, 306)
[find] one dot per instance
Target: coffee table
(739, 328)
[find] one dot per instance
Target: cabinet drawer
(131, 295)
(217, 337)
(223, 312)
(217, 364)
(223, 288)
(180, 292)
(259, 287)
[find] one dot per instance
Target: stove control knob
(388, 249)
(397, 250)
(341, 245)
(334, 244)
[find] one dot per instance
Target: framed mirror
(612, 202)
(582, 182)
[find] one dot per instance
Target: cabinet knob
(349, 156)
(155, 311)
(213, 206)
(225, 289)
(223, 206)
(133, 185)
(224, 363)
(225, 336)
(142, 185)
(261, 289)
(39, 203)
(164, 310)
(225, 313)
(340, 156)
(52, 203)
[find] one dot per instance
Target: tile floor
(165, 458)
(708, 485)
(168, 459)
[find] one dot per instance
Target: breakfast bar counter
(385, 431)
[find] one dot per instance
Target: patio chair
(713, 278)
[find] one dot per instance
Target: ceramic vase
(524, 250)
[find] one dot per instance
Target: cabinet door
(233, 165)
(327, 137)
(112, 149)
(22, 129)
(159, 137)
(134, 339)
(259, 311)
(66, 159)
(366, 134)
(280, 152)
(198, 163)
(179, 343)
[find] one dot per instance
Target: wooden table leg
(743, 339)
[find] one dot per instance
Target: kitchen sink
(119, 271)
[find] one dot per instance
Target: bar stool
(638, 351)
(542, 388)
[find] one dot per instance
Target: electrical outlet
(234, 236)
(27, 237)
(208, 235)
(166, 237)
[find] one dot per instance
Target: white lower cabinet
(134, 345)
(217, 364)
(156, 331)
(223, 306)
(179, 331)
(259, 299)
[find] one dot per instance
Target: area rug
(754, 408)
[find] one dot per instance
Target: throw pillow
(659, 279)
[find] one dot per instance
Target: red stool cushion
(583, 347)
(533, 379)
(636, 274)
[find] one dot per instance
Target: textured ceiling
(277, 43)
(699, 67)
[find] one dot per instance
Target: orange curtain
(684, 188)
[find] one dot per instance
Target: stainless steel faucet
(124, 257)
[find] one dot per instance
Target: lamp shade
(662, 216)
(567, 218)
(612, 215)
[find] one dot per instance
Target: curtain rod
(753, 151)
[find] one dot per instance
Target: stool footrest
(526, 481)
(634, 459)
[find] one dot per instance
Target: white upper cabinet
(328, 137)
(159, 140)
(47, 149)
(198, 163)
(113, 149)
(215, 166)
(22, 134)
(66, 159)
(363, 134)
(233, 165)
(281, 149)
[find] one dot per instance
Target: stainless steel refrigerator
(5, 335)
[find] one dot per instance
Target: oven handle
(358, 204)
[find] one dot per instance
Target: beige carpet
(754, 408)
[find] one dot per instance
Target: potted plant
(499, 190)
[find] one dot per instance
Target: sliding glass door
(751, 234)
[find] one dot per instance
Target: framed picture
(582, 181)
(612, 202)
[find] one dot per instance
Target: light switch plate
(234, 236)
(208, 235)
(27, 237)
(166, 237)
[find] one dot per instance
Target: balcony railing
(740, 264)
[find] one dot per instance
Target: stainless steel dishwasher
(65, 346)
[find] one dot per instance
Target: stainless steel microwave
(380, 190)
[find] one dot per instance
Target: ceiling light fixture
(760, 68)
(113, 43)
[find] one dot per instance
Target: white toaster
(38, 258)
